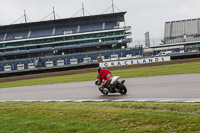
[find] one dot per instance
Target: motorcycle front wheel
(122, 89)
(103, 91)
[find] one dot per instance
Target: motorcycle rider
(106, 75)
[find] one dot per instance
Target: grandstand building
(182, 31)
(64, 42)
(181, 40)
(185, 32)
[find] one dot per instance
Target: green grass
(102, 117)
(124, 73)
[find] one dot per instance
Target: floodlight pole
(25, 16)
(54, 16)
(83, 9)
(113, 7)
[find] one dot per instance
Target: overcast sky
(142, 15)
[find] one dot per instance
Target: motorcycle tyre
(122, 89)
(103, 92)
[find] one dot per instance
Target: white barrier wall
(60, 63)
(20, 67)
(73, 61)
(7, 68)
(87, 60)
(134, 61)
(49, 64)
(31, 66)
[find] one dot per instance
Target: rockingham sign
(134, 61)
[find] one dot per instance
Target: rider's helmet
(99, 69)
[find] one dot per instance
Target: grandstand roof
(67, 21)
(183, 20)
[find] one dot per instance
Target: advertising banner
(134, 61)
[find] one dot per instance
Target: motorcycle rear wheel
(122, 89)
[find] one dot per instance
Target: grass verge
(102, 117)
(184, 68)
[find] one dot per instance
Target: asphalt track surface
(185, 86)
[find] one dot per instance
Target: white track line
(111, 100)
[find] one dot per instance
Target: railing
(182, 39)
(141, 42)
(44, 42)
(78, 54)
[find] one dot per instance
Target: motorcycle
(114, 86)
